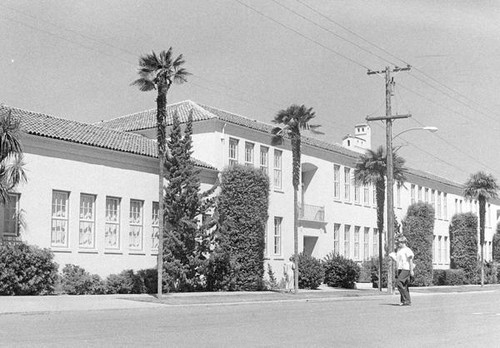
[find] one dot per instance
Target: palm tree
(294, 119)
(481, 186)
(160, 72)
(371, 168)
(11, 155)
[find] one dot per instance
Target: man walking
(404, 260)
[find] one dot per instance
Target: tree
(11, 155)
(481, 186)
(160, 72)
(292, 120)
(187, 241)
(371, 169)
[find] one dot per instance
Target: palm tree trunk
(161, 103)
(296, 180)
(482, 213)
(380, 197)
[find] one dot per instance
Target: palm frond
(144, 84)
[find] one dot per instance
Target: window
(412, 194)
(249, 154)
(336, 231)
(86, 237)
(433, 198)
(366, 244)
(434, 252)
(59, 223)
(277, 235)
(277, 169)
(440, 250)
(11, 216)
(461, 206)
(488, 215)
(233, 151)
(264, 159)
(357, 193)
(135, 225)
(438, 205)
(456, 206)
(420, 193)
(490, 251)
(426, 195)
(356, 242)
(336, 181)
(155, 226)
(112, 224)
(446, 250)
(445, 206)
(366, 194)
(375, 241)
(347, 184)
(374, 195)
(398, 196)
(347, 241)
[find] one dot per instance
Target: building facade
(91, 194)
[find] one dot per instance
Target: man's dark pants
(402, 283)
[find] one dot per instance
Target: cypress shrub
(311, 273)
(496, 245)
(418, 228)
(26, 270)
(340, 272)
(464, 244)
(243, 211)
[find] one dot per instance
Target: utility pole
(388, 118)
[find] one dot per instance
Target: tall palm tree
(292, 120)
(11, 155)
(481, 186)
(371, 169)
(160, 71)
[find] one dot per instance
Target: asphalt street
(468, 319)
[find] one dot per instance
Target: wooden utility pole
(389, 85)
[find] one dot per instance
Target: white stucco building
(92, 190)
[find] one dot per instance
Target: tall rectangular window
(233, 151)
(374, 195)
(440, 249)
(86, 237)
(356, 242)
(366, 195)
(135, 239)
(277, 235)
(278, 184)
(445, 206)
(59, 223)
(412, 194)
(264, 159)
(249, 154)
(375, 241)
(434, 250)
(446, 250)
(155, 226)
(366, 244)
(438, 204)
(11, 216)
(420, 189)
(112, 224)
(488, 215)
(357, 193)
(336, 181)
(347, 184)
(426, 195)
(433, 198)
(347, 241)
(336, 232)
(456, 205)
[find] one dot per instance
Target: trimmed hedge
(311, 272)
(464, 245)
(340, 272)
(449, 277)
(26, 270)
(418, 228)
(243, 211)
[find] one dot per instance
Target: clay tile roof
(39, 124)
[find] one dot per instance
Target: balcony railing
(311, 213)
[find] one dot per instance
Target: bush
(365, 275)
(418, 228)
(374, 266)
(26, 270)
(496, 245)
(340, 272)
(77, 281)
(464, 245)
(311, 272)
(449, 277)
(149, 279)
(243, 211)
(127, 282)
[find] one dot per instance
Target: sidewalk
(37, 304)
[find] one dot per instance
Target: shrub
(340, 272)
(26, 270)
(464, 244)
(418, 228)
(311, 272)
(449, 277)
(149, 279)
(243, 211)
(127, 282)
(271, 282)
(374, 266)
(77, 281)
(496, 245)
(365, 275)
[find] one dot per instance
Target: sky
(77, 60)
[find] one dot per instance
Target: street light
(429, 128)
